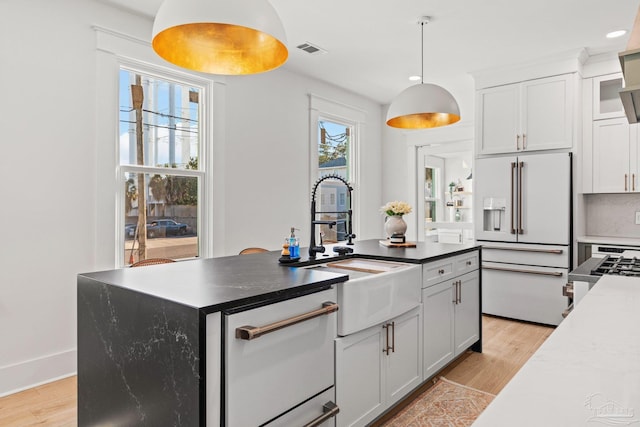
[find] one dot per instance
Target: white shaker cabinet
(376, 367)
(615, 156)
(526, 116)
(451, 310)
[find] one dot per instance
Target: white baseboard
(35, 372)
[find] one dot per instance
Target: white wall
(49, 172)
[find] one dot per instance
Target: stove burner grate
(619, 266)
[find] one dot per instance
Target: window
(334, 155)
(162, 176)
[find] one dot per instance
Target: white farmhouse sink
(376, 291)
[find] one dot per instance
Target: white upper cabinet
(526, 116)
(606, 98)
(610, 144)
(615, 156)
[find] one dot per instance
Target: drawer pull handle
(516, 270)
(329, 410)
(252, 332)
(469, 263)
(546, 251)
(441, 271)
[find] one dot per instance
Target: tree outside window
(159, 148)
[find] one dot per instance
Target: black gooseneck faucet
(313, 248)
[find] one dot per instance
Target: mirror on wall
(445, 192)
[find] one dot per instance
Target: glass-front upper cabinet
(606, 97)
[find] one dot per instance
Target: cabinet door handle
(393, 337)
(524, 141)
(329, 410)
(518, 142)
(625, 182)
(633, 182)
(252, 332)
(386, 348)
(459, 291)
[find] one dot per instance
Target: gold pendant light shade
(231, 37)
(423, 106)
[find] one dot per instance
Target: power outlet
(638, 218)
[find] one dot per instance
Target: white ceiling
(373, 46)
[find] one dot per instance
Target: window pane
(169, 116)
(333, 149)
(170, 205)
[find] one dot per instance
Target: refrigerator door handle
(513, 167)
(518, 270)
(546, 251)
(520, 167)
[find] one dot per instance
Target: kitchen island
(586, 373)
(145, 335)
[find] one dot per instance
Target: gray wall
(612, 215)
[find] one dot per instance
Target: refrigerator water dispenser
(494, 210)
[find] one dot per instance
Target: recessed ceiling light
(614, 34)
(414, 78)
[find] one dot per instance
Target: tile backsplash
(612, 214)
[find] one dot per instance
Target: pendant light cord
(422, 52)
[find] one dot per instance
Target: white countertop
(587, 373)
(604, 240)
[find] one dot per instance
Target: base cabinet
(376, 367)
(451, 312)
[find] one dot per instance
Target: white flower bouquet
(396, 208)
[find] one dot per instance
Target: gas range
(617, 265)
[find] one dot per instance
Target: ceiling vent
(311, 49)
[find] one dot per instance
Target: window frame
(115, 50)
(323, 109)
(203, 166)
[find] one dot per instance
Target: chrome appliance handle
(329, 410)
(546, 251)
(252, 332)
(516, 270)
(520, 167)
(513, 166)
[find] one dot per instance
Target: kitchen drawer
(437, 271)
(322, 405)
(466, 263)
(523, 292)
(543, 255)
(298, 358)
(444, 269)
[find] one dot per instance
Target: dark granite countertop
(216, 284)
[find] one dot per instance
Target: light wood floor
(507, 345)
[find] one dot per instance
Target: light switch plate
(638, 218)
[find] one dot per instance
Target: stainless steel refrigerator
(523, 210)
